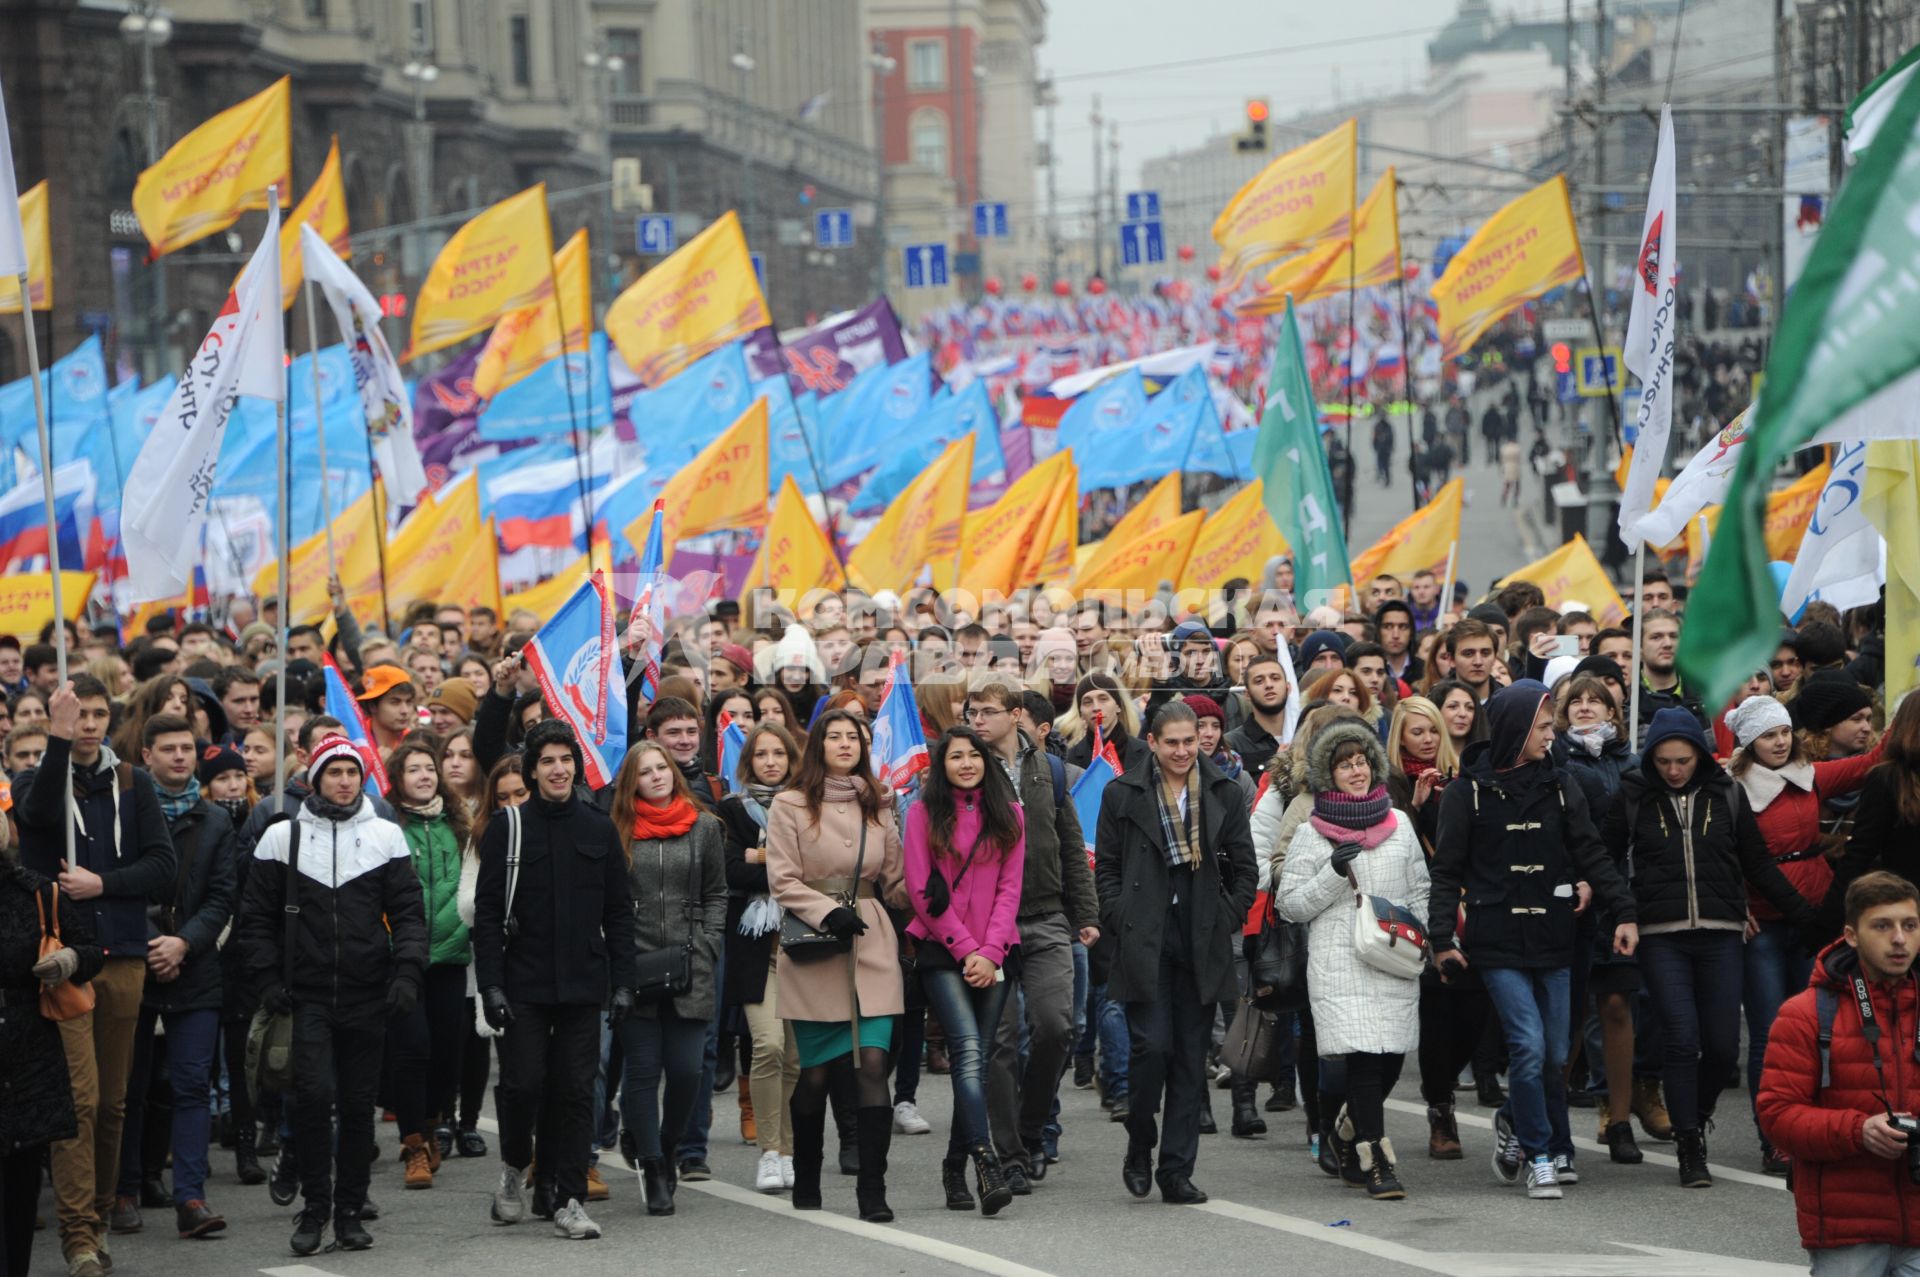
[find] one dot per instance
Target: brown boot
(413, 1152)
(597, 1190)
(1443, 1134)
(1651, 1112)
(749, 1129)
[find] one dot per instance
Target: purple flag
(826, 357)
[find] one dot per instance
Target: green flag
(1846, 359)
(1292, 462)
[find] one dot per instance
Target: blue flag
(1100, 415)
(1176, 430)
(650, 601)
(538, 405)
(689, 410)
(574, 657)
(899, 743)
(863, 423)
(788, 434)
(948, 419)
(1102, 768)
(733, 743)
(342, 705)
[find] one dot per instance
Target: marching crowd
(1333, 848)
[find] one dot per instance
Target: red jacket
(1791, 822)
(1845, 1195)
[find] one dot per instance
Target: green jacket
(436, 862)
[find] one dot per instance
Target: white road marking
(1652, 1261)
(1729, 1173)
(298, 1270)
(891, 1235)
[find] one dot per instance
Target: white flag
(383, 391)
(1651, 325)
(244, 353)
(13, 239)
(1842, 557)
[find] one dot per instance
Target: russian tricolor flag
(342, 705)
(899, 744)
(574, 657)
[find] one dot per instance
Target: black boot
(1691, 1149)
(348, 1232)
(953, 1180)
(809, 1140)
(994, 1193)
(657, 1177)
(1247, 1121)
(1347, 1151)
(246, 1162)
(1621, 1146)
(874, 1128)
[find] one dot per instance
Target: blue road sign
(1141, 243)
(1599, 371)
(1563, 388)
(926, 265)
(833, 228)
(653, 234)
(1143, 206)
(990, 220)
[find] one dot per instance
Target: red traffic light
(1257, 110)
(1562, 357)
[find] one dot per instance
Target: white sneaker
(510, 1199)
(1542, 1183)
(571, 1222)
(767, 1179)
(1563, 1169)
(907, 1119)
(786, 1171)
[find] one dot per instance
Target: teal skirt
(822, 1041)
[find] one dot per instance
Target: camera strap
(1870, 1027)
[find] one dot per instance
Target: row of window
(621, 42)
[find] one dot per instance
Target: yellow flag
(1370, 259)
(802, 556)
(702, 297)
(921, 529)
(544, 599)
(1301, 198)
(1159, 507)
(1417, 542)
(1523, 250)
(26, 599)
(1790, 510)
(724, 487)
(500, 261)
(1235, 541)
(217, 172)
(324, 207)
(1143, 563)
(995, 547)
(355, 552)
(1050, 554)
(526, 338)
(445, 551)
(1892, 504)
(35, 221)
(1572, 574)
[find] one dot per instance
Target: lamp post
(882, 66)
(603, 75)
(743, 64)
(148, 26)
(421, 72)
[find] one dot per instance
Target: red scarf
(651, 820)
(1414, 769)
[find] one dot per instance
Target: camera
(1909, 1126)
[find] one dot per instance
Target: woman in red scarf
(676, 857)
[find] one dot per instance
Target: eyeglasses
(980, 713)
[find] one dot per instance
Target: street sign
(1566, 329)
(1597, 373)
(1563, 388)
(990, 220)
(833, 228)
(1143, 206)
(926, 265)
(653, 234)
(1141, 243)
(759, 269)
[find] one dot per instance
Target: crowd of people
(1407, 833)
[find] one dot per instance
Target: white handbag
(1387, 937)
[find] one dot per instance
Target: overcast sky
(1296, 53)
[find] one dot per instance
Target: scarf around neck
(1182, 833)
(1593, 737)
(843, 789)
(172, 805)
(333, 811)
(654, 820)
(1363, 818)
(1764, 784)
(432, 809)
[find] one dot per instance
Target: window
(624, 43)
(317, 12)
(519, 50)
(927, 141)
(420, 24)
(926, 64)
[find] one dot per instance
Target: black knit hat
(217, 760)
(1604, 666)
(1827, 699)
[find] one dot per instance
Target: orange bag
(65, 1000)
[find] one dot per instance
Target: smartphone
(1566, 645)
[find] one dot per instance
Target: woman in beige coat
(837, 817)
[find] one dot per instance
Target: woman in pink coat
(965, 853)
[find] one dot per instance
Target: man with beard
(1660, 684)
(1258, 739)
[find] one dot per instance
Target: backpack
(1059, 770)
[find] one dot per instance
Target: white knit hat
(1559, 667)
(1755, 717)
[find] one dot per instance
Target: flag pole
(582, 474)
(283, 488)
(1353, 349)
(1406, 363)
(320, 431)
(1446, 588)
(1606, 370)
(53, 524)
(1633, 674)
(820, 481)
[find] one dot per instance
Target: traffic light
(1562, 357)
(1255, 138)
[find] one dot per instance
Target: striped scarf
(1183, 837)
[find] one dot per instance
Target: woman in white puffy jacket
(1368, 1017)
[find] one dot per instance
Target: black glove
(844, 923)
(401, 997)
(1344, 855)
(275, 999)
(621, 1006)
(493, 1006)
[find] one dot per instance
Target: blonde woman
(1420, 762)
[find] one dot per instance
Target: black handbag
(803, 943)
(1252, 1043)
(1277, 971)
(666, 974)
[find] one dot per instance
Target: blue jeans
(1532, 1005)
(1775, 969)
(1108, 1020)
(663, 1043)
(968, 1016)
(192, 1037)
(693, 1144)
(1080, 984)
(1694, 980)
(1869, 1259)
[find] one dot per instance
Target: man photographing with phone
(1841, 1083)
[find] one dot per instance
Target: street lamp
(420, 72)
(882, 66)
(148, 26)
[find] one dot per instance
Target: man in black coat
(545, 963)
(1517, 843)
(122, 857)
(183, 976)
(1173, 861)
